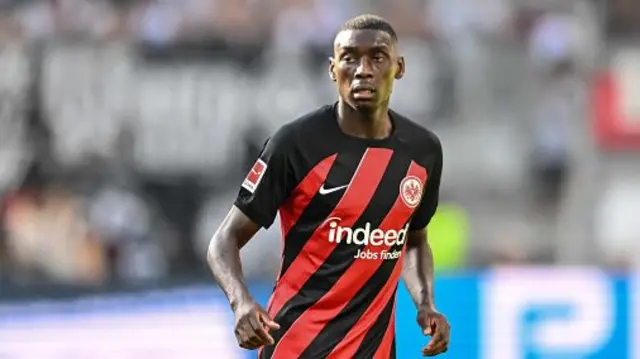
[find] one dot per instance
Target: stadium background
(126, 127)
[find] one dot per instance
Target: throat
(370, 125)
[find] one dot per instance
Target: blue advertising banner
(528, 313)
(532, 314)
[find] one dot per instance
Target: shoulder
(416, 137)
(302, 129)
(312, 122)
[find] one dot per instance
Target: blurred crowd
(126, 127)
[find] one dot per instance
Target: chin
(365, 107)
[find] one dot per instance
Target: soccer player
(355, 184)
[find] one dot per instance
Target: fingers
(435, 350)
(246, 336)
(252, 332)
(426, 322)
(439, 342)
(242, 336)
(260, 330)
(428, 331)
(264, 317)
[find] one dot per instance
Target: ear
(332, 65)
(400, 68)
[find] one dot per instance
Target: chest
(363, 186)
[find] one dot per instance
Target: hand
(253, 325)
(435, 325)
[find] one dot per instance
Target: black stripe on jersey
(393, 349)
(343, 255)
(338, 327)
(375, 335)
(320, 207)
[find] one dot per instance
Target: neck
(371, 125)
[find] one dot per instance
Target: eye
(348, 58)
(379, 57)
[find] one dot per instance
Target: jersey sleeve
(429, 202)
(268, 183)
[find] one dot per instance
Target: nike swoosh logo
(324, 191)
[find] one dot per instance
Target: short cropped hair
(369, 22)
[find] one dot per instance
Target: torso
(344, 227)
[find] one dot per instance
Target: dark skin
(417, 273)
(252, 322)
(364, 67)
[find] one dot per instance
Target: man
(356, 185)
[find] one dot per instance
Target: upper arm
(269, 182)
(237, 226)
(429, 202)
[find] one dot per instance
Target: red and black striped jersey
(346, 205)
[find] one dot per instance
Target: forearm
(223, 257)
(417, 273)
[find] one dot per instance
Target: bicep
(237, 227)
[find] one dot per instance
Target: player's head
(365, 62)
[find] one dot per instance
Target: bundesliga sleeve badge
(254, 177)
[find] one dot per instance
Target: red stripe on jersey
(300, 197)
(348, 347)
(316, 250)
(310, 323)
(384, 350)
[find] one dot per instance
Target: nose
(364, 69)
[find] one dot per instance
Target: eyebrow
(351, 48)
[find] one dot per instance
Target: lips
(363, 91)
(363, 87)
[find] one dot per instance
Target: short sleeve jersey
(346, 205)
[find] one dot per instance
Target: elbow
(222, 244)
(214, 249)
(211, 251)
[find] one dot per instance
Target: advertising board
(516, 313)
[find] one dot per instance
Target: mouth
(363, 92)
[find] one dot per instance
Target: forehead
(363, 39)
